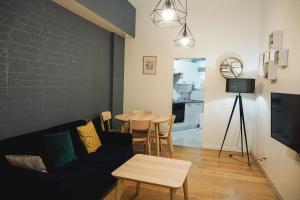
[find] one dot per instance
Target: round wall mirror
(231, 68)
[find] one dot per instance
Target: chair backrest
(105, 120)
(171, 123)
(139, 126)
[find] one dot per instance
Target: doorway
(188, 101)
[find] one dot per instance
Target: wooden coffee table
(154, 170)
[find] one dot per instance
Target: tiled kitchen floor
(188, 138)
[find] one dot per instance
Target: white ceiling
(142, 4)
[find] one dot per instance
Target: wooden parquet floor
(210, 178)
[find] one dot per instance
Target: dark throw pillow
(59, 149)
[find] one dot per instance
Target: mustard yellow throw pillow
(89, 137)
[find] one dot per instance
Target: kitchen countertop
(188, 101)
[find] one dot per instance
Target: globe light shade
(185, 41)
(169, 14)
(185, 38)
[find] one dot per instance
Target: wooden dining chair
(106, 121)
(165, 135)
(140, 130)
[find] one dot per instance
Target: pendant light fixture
(169, 13)
(185, 38)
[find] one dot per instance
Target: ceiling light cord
(185, 37)
(186, 9)
(173, 13)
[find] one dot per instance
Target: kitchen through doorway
(188, 101)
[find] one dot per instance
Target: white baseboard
(216, 147)
(226, 148)
(268, 177)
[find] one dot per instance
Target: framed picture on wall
(149, 65)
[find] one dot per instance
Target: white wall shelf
(272, 71)
(275, 40)
(281, 57)
(274, 57)
(267, 57)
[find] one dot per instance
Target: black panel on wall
(119, 12)
(54, 67)
(118, 48)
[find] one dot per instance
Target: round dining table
(154, 118)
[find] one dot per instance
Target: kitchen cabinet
(178, 109)
(192, 113)
(188, 74)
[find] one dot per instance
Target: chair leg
(170, 146)
(148, 147)
(171, 140)
(145, 148)
(151, 141)
(160, 145)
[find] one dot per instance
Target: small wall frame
(149, 65)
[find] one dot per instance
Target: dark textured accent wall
(118, 48)
(119, 12)
(55, 67)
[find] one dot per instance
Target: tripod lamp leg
(233, 108)
(245, 134)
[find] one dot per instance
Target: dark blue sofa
(87, 178)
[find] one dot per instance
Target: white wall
(221, 28)
(282, 165)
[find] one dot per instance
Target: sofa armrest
(116, 139)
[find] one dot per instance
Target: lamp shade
(169, 13)
(240, 85)
(185, 37)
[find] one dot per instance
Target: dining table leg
(157, 139)
(125, 127)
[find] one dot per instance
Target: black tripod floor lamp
(239, 86)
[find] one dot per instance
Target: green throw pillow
(59, 149)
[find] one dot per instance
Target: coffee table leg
(185, 189)
(172, 194)
(119, 189)
(138, 186)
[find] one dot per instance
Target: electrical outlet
(262, 159)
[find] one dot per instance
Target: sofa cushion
(84, 181)
(21, 183)
(59, 149)
(32, 143)
(79, 147)
(27, 161)
(89, 137)
(108, 155)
